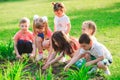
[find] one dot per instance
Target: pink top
(27, 36)
(75, 44)
(49, 33)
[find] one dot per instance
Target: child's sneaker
(107, 72)
(63, 59)
(39, 57)
(93, 70)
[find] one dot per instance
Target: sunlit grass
(105, 14)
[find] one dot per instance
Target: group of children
(60, 42)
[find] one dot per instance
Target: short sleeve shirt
(28, 36)
(98, 50)
(61, 23)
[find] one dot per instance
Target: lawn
(105, 13)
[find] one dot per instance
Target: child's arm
(34, 50)
(53, 61)
(56, 59)
(50, 58)
(94, 61)
(54, 28)
(76, 57)
(16, 50)
(51, 53)
(68, 28)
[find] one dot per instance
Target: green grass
(105, 13)
(13, 71)
(80, 74)
(6, 50)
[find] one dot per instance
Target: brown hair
(24, 20)
(58, 6)
(63, 42)
(84, 38)
(90, 25)
(40, 23)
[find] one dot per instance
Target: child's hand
(32, 55)
(18, 57)
(88, 63)
(45, 66)
(66, 68)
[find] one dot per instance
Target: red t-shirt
(75, 44)
(49, 33)
(27, 36)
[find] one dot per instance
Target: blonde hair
(24, 20)
(40, 22)
(90, 25)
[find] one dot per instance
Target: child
(61, 20)
(63, 44)
(23, 39)
(42, 34)
(103, 58)
(90, 28)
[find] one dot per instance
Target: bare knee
(100, 64)
(46, 44)
(39, 39)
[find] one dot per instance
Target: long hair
(40, 23)
(63, 42)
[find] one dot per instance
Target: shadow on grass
(103, 17)
(108, 16)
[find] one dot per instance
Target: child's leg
(20, 46)
(46, 44)
(28, 47)
(103, 65)
(39, 41)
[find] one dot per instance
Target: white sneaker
(63, 59)
(39, 57)
(93, 70)
(107, 72)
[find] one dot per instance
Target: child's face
(85, 46)
(40, 30)
(24, 26)
(59, 13)
(86, 30)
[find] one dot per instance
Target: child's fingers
(44, 67)
(66, 68)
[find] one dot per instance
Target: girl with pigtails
(61, 20)
(42, 34)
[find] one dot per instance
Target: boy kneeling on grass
(24, 39)
(103, 57)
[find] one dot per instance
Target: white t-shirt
(94, 39)
(61, 23)
(98, 50)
